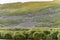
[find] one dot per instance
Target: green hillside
(20, 8)
(30, 14)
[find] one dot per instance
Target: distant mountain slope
(30, 14)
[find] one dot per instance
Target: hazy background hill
(30, 14)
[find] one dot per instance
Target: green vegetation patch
(32, 33)
(7, 22)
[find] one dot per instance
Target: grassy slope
(17, 9)
(23, 7)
